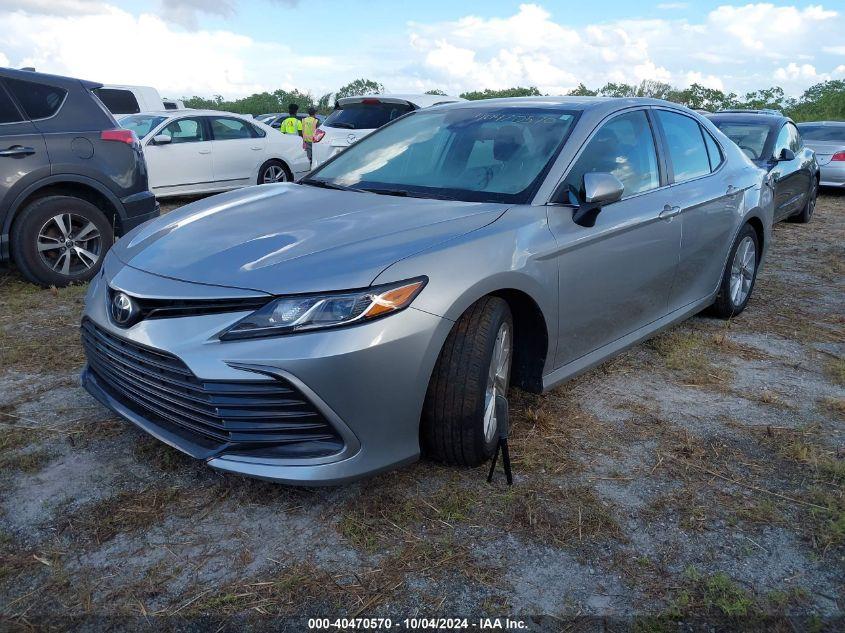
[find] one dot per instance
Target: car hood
(290, 238)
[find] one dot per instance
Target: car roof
(772, 120)
(419, 100)
(576, 103)
(190, 112)
(832, 123)
(58, 80)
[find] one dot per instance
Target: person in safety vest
(291, 125)
(309, 126)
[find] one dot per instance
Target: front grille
(236, 415)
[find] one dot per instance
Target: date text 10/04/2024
(417, 624)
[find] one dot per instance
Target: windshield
(366, 115)
(472, 154)
(751, 137)
(141, 124)
(822, 132)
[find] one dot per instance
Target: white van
(122, 100)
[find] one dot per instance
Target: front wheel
(739, 276)
(273, 171)
(459, 424)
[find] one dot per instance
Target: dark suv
(70, 178)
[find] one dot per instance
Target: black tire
(36, 223)
(725, 306)
(284, 172)
(806, 214)
(452, 424)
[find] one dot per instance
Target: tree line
(823, 101)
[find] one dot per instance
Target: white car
(355, 117)
(206, 151)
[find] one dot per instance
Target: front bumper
(369, 381)
(833, 174)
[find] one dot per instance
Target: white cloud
(734, 48)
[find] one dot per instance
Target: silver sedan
(321, 331)
(827, 140)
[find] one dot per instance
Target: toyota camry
(325, 330)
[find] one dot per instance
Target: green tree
(699, 97)
(519, 91)
(618, 90)
(435, 91)
(772, 98)
(360, 87)
(582, 91)
(325, 104)
(822, 102)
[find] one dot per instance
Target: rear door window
(685, 144)
(226, 129)
(118, 101)
(8, 112)
(713, 151)
(366, 116)
(39, 101)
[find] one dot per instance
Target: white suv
(355, 117)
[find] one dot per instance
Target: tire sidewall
(502, 315)
(747, 231)
(25, 238)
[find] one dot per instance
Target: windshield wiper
(345, 126)
(326, 185)
(404, 193)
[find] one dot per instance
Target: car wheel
(59, 240)
(459, 424)
(806, 213)
(739, 276)
(273, 171)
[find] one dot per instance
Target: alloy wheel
(274, 173)
(69, 244)
(742, 271)
(497, 379)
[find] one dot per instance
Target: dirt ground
(700, 475)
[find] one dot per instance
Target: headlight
(299, 313)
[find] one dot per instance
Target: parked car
(827, 140)
(70, 179)
(173, 104)
(203, 151)
(773, 142)
(355, 117)
(321, 331)
(122, 100)
(275, 119)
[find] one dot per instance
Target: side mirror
(162, 139)
(599, 189)
(786, 154)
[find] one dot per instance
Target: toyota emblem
(123, 309)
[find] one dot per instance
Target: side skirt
(598, 356)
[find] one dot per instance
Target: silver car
(317, 332)
(827, 139)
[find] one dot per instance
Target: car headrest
(507, 141)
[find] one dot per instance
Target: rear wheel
(806, 213)
(58, 240)
(739, 276)
(459, 423)
(273, 171)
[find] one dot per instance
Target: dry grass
(685, 353)
(835, 370)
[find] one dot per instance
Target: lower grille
(240, 416)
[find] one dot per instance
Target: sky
(235, 47)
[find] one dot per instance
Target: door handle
(205, 151)
(669, 212)
(256, 148)
(17, 150)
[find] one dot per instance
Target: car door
(615, 277)
(238, 151)
(786, 176)
(704, 191)
(23, 153)
(183, 164)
